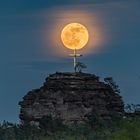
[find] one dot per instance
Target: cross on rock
(75, 55)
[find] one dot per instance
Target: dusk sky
(31, 49)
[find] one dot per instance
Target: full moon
(74, 36)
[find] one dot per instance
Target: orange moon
(74, 36)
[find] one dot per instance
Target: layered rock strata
(72, 97)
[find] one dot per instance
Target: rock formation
(72, 97)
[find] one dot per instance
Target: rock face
(71, 97)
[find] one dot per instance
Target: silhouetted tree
(112, 83)
(79, 66)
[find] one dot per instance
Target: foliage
(112, 84)
(125, 129)
(79, 66)
(50, 125)
(131, 108)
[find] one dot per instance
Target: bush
(52, 129)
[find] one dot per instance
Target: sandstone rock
(71, 97)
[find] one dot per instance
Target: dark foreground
(126, 129)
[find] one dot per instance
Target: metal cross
(75, 55)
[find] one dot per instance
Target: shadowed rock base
(72, 97)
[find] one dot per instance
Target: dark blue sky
(28, 53)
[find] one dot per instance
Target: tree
(79, 66)
(132, 108)
(48, 124)
(112, 84)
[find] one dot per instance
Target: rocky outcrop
(71, 97)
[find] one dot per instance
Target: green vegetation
(49, 129)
